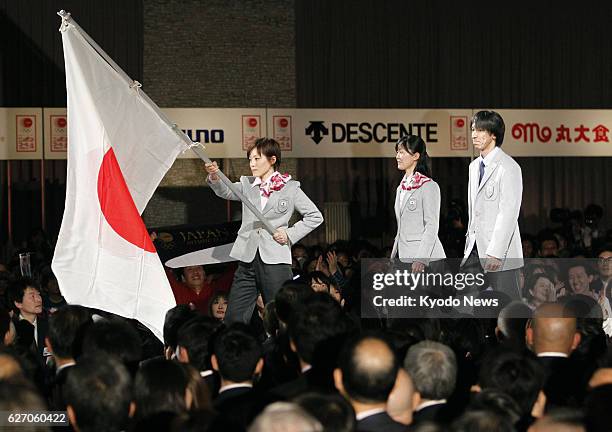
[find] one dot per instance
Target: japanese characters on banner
(557, 132)
(21, 133)
(56, 133)
(316, 133)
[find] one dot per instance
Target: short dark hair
(237, 353)
(115, 337)
(517, 374)
(333, 411)
(363, 384)
(481, 420)
(433, 369)
(195, 337)
(289, 296)
(415, 144)
(491, 122)
(317, 320)
(160, 385)
(175, 318)
(267, 147)
(98, 389)
(67, 325)
(17, 290)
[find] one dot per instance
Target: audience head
(285, 417)
(553, 329)
(580, 277)
(288, 297)
(67, 327)
(98, 394)
(367, 370)
(331, 410)
(194, 277)
(175, 318)
(604, 262)
(237, 355)
(481, 421)
(218, 305)
(512, 323)
(539, 288)
(565, 420)
(193, 342)
(24, 295)
(433, 369)
(115, 337)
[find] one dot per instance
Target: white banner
(347, 133)
(20, 133)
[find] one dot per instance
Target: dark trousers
(506, 281)
(251, 279)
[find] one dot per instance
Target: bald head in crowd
(552, 330)
(367, 373)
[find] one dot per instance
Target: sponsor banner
(317, 133)
(225, 132)
(56, 133)
(20, 133)
(557, 132)
(323, 133)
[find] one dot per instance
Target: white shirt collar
(233, 386)
(489, 157)
(369, 413)
(64, 366)
(552, 354)
(430, 403)
(206, 373)
(258, 181)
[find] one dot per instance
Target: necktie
(482, 166)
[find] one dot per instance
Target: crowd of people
(308, 361)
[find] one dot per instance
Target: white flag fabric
(212, 255)
(119, 150)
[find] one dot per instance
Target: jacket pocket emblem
(412, 204)
(283, 205)
(490, 191)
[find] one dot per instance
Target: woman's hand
(280, 236)
(212, 169)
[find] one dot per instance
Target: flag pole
(197, 148)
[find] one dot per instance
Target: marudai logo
(367, 132)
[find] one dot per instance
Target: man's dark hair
(98, 389)
(433, 369)
(481, 421)
(67, 326)
(175, 318)
(17, 289)
(266, 147)
(195, 337)
(160, 386)
(498, 402)
(607, 247)
(115, 337)
(361, 381)
(491, 122)
(333, 411)
(518, 375)
(317, 320)
(237, 353)
(288, 297)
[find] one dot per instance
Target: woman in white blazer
(417, 206)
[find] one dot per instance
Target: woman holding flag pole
(264, 257)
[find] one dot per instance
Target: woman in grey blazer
(264, 259)
(417, 206)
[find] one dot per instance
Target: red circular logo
(252, 122)
(460, 122)
(27, 122)
(61, 122)
(283, 122)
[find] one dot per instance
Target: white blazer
(252, 236)
(417, 224)
(494, 208)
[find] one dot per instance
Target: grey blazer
(252, 235)
(417, 224)
(494, 208)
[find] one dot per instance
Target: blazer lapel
(272, 199)
(489, 169)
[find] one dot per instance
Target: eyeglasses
(606, 260)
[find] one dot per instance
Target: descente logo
(367, 132)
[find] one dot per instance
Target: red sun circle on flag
(61, 122)
(252, 121)
(460, 123)
(283, 122)
(27, 122)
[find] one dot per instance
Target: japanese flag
(119, 149)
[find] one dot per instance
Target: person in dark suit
(237, 357)
(553, 336)
(31, 327)
(316, 329)
(66, 327)
(366, 375)
(433, 369)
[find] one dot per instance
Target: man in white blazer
(495, 189)
(264, 258)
